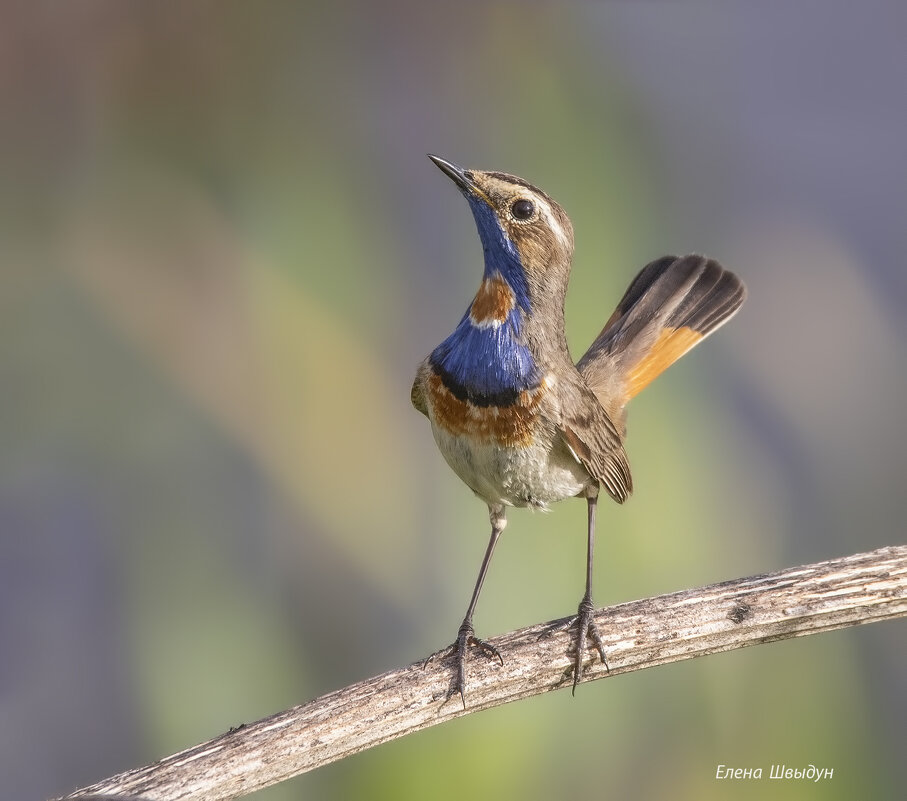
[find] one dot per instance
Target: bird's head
(526, 236)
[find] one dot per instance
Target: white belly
(536, 475)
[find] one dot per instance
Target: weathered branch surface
(863, 588)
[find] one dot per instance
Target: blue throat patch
(501, 254)
(490, 366)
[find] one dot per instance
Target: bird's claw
(586, 630)
(465, 638)
(584, 622)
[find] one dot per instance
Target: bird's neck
(541, 301)
(487, 359)
(510, 336)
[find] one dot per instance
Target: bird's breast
(507, 453)
(510, 421)
(494, 409)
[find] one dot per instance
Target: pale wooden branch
(863, 588)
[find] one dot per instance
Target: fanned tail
(671, 306)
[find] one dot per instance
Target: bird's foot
(466, 637)
(587, 630)
(584, 623)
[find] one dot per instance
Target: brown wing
(595, 441)
(417, 394)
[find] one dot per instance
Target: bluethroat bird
(514, 417)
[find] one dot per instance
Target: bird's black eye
(522, 209)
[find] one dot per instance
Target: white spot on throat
(491, 322)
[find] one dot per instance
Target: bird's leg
(466, 635)
(584, 620)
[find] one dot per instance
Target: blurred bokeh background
(223, 253)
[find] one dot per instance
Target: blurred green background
(222, 255)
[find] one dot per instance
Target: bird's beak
(458, 175)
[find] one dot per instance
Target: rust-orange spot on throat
(493, 302)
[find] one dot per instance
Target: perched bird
(514, 417)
